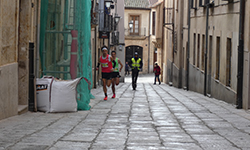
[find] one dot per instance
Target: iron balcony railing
(137, 32)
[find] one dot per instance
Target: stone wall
(23, 51)
(8, 58)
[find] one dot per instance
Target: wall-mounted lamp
(108, 3)
(130, 24)
(117, 19)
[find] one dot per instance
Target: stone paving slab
(152, 117)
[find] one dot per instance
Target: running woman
(116, 74)
(107, 69)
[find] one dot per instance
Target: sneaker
(113, 96)
(106, 98)
(159, 83)
(154, 83)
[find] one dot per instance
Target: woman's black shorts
(116, 75)
(107, 76)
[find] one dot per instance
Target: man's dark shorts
(107, 76)
(116, 75)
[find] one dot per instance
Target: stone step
(22, 109)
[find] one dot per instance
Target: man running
(136, 65)
(106, 63)
(116, 74)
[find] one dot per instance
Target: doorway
(130, 51)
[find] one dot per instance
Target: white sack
(63, 95)
(43, 86)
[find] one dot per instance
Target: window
(203, 52)
(202, 3)
(217, 74)
(210, 54)
(153, 24)
(194, 46)
(198, 52)
(194, 4)
(229, 55)
(135, 28)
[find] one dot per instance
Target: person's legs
(105, 88)
(133, 79)
(155, 79)
(113, 87)
(109, 82)
(136, 76)
(117, 81)
(159, 79)
(133, 76)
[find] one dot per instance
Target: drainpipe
(205, 74)
(95, 59)
(163, 33)
(240, 55)
(149, 37)
(173, 44)
(38, 39)
(188, 48)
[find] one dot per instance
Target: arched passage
(130, 51)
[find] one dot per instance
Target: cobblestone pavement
(152, 117)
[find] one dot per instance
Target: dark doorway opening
(130, 51)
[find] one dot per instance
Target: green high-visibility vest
(136, 63)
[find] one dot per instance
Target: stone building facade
(156, 35)
(137, 36)
(18, 25)
(221, 69)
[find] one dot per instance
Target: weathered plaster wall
(223, 23)
(23, 51)
(246, 76)
(144, 23)
(8, 22)
(143, 38)
(8, 90)
(8, 58)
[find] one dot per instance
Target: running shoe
(106, 98)
(113, 96)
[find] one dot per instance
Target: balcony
(94, 14)
(141, 35)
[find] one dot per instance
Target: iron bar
(188, 47)
(240, 55)
(205, 74)
(31, 78)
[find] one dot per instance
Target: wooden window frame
(218, 49)
(132, 18)
(198, 51)
(194, 48)
(203, 52)
(153, 22)
(229, 62)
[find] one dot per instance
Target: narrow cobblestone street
(152, 117)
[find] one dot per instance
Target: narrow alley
(152, 117)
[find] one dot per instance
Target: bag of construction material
(43, 91)
(63, 95)
(56, 95)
